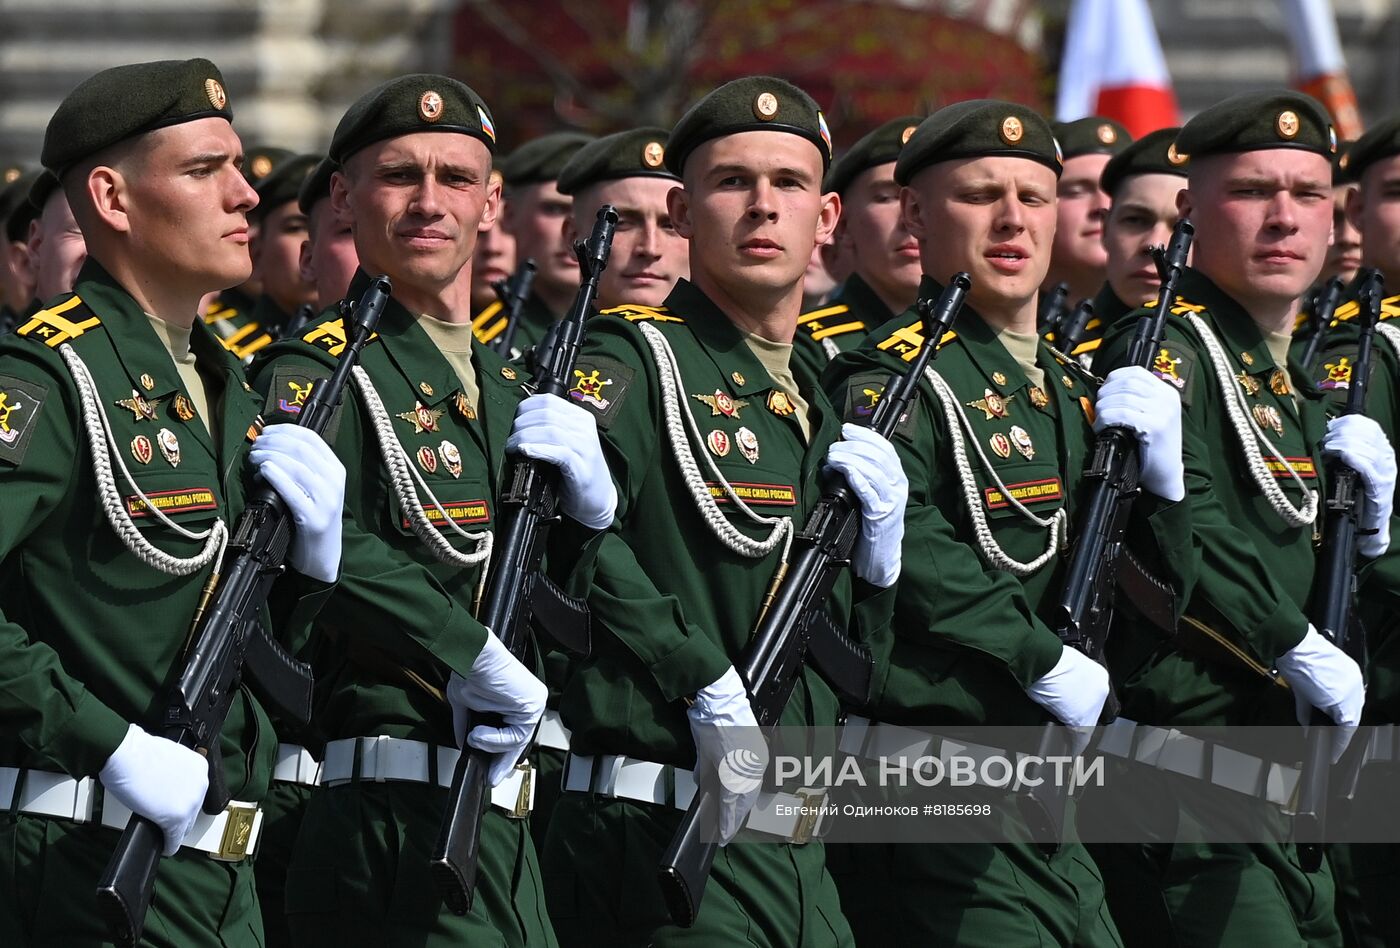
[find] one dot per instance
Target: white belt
(553, 734)
(228, 836)
(794, 817)
(1170, 750)
(295, 764)
(872, 740)
(392, 758)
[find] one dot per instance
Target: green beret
(1342, 172)
(15, 206)
(1252, 121)
(316, 185)
(126, 101)
(542, 159)
(1153, 153)
(408, 104)
(44, 186)
(1094, 135)
(639, 153)
(1380, 143)
(259, 161)
(283, 185)
(754, 104)
(879, 147)
(979, 128)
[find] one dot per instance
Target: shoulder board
(330, 336)
(1299, 321)
(59, 324)
(822, 313)
(485, 324)
(637, 314)
(906, 341)
(1346, 312)
(217, 311)
(1182, 307)
(825, 323)
(247, 340)
(1390, 307)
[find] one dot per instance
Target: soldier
(1254, 435)
(1141, 182)
(56, 246)
(16, 275)
(1344, 256)
(327, 257)
(628, 171)
(494, 262)
(885, 277)
(1078, 256)
(995, 450)
(536, 215)
(402, 658)
(124, 448)
(683, 572)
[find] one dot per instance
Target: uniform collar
(743, 373)
(1002, 373)
(420, 363)
(1108, 308)
(1239, 334)
(865, 304)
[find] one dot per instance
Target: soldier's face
(537, 215)
(1344, 256)
(886, 254)
(328, 258)
(1376, 212)
(56, 248)
(1263, 220)
(992, 217)
(1142, 216)
(415, 204)
(1081, 210)
(648, 256)
(752, 208)
(276, 257)
(186, 208)
(494, 261)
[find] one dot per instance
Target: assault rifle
(527, 508)
(794, 621)
(1324, 305)
(1336, 585)
(1051, 309)
(1071, 330)
(512, 292)
(1086, 606)
(230, 644)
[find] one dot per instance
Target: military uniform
(840, 324)
(70, 689)
(533, 322)
(230, 316)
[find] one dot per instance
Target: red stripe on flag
(1141, 109)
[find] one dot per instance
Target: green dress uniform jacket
(1108, 309)
(839, 324)
(935, 666)
(233, 317)
(673, 608)
(1249, 606)
(530, 326)
(90, 635)
(399, 623)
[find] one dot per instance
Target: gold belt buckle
(522, 799)
(238, 832)
(806, 825)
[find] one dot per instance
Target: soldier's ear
(911, 212)
(108, 194)
(678, 206)
(1184, 202)
(829, 218)
(1356, 206)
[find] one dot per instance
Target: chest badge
(1038, 397)
(748, 444)
(422, 418)
(1000, 445)
(1021, 439)
(718, 442)
(184, 410)
(1278, 383)
(1248, 382)
(169, 446)
(427, 459)
(588, 389)
(141, 408)
(464, 406)
(992, 404)
(722, 403)
(141, 449)
(779, 404)
(451, 458)
(1267, 416)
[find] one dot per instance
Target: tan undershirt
(1278, 344)
(177, 342)
(454, 341)
(777, 359)
(1024, 347)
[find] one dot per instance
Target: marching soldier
(124, 454)
(1254, 435)
(536, 214)
(56, 247)
(715, 436)
(424, 435)
(995, 450)
(885, 277)
(1078, 255)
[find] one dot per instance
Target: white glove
(1322, 676)
(302, 468)
(871, 467)
(727, 739)
(498, 683)
(163, 781)
(549, 428)
(1074, 691)
(1134, 398)
(1361, 444)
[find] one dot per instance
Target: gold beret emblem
(215, 92)
(261, 166)
(1012, 131)
(430, 106)
(1343, 161)
(653, 154)
(907, 134)
(1107, 135)
(1175, 157)
(765, 105)
(1287, 123)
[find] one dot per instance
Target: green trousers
(600, 869)
(359, 874)
(48, 875)
(282, 811)
(549, 778)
